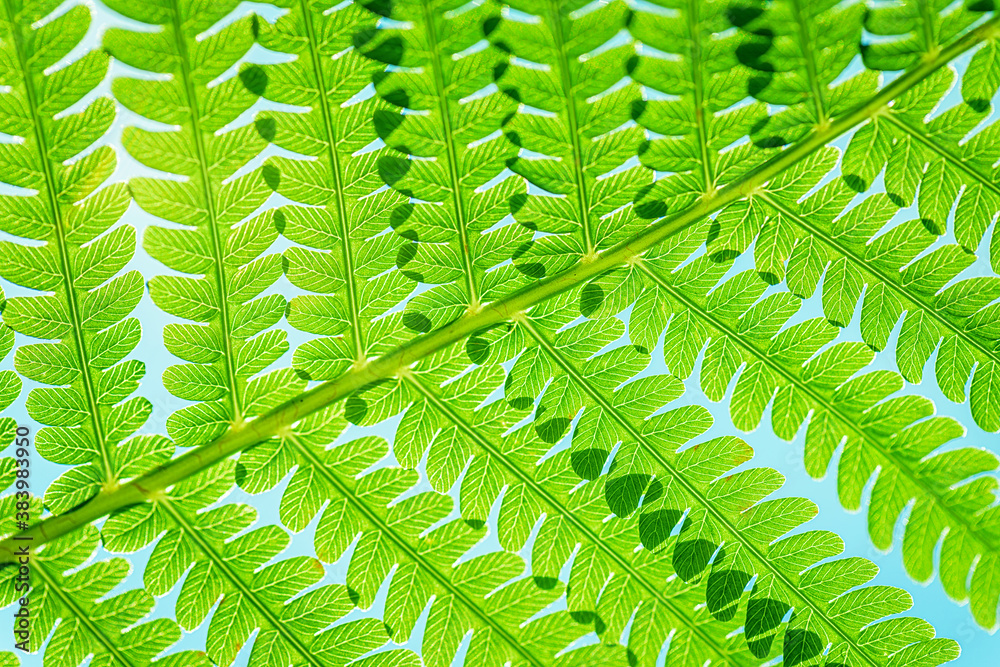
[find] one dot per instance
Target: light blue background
(979, 647)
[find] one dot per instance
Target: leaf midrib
(818, 398)
(375, 520)
(338, 184)
(213, 223)
(569, 95)
(66, 269)
(694, 35)
(236, 582)
(926, 25)
(698, 496)
(449, 143)
(807, 54)
(268, 425)
(528, 481)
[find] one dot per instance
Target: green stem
(805, 42)
(694, 35)
(453, 170)
(250, 433)
(569, 95)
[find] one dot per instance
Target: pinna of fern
(213, 554)
(87, 411)
(341, 257)
(445, 156)
(946, 159)
(72, 611)
(390, 548)
(646, 443)
(219, 242)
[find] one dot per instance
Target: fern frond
(905, 273)
(391, 364)
(912, 29)
(797, 51)
(673, 488)
(342, 257)
(445, 156)
(572, 129)
(692, 84)
(220, 557)
(76, 615)
(87, 411)
(216, 235)
(947, 160)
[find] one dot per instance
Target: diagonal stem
(250, 433)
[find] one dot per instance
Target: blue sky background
(979, 647)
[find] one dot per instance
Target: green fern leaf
(340, 259)
(238, 569)
(81, 261)
(822, 386)
(914, 28)
(221, 246)
(80, 615)
(446, 157)
(696, 552)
